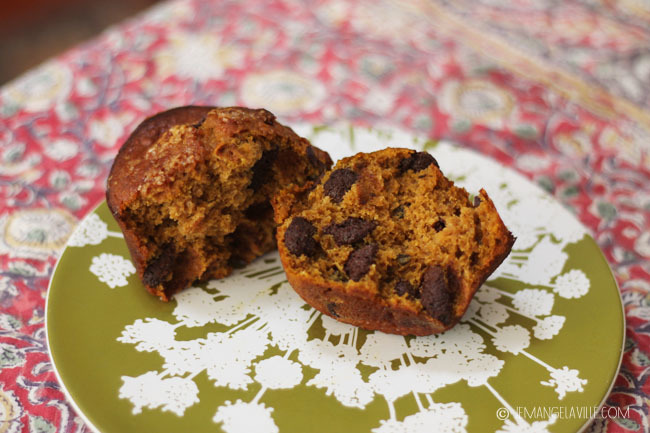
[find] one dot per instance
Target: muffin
(385, 242)
(191, 190)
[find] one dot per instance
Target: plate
(538, 349)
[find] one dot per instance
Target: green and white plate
(538, 350)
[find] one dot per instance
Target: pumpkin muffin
(385, 242)
(191, 191)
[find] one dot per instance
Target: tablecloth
(558, 90)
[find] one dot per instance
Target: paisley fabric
(558, 90)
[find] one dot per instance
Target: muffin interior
(203, 205)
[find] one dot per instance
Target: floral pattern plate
(538, 349)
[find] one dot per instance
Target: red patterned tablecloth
(558, 90)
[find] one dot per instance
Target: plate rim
(593, 416)
(50, 354)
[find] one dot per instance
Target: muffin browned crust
(384, 241)
(191, 186)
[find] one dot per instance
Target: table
(560, 91)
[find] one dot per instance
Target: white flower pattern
(112, 269)
(548, 327)
(447, 418)
(278, 373)
(573, 284)
(241, 417)
(91, 231)
(565, 380)
(520, 426)
(151, 391)
(533, 302)
(511, 338)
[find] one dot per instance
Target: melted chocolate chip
(198, 124)
(313, 159)
(350, 231)
(237, 262)
(404, 286)
(478, 234)
(473, 259)
(299, 237)
(339, 182)
(315, 181)
(477, 201)
(331, 308)
(417, 161)
(262, 170)
(437, 295)
(439, 225)
(159, 270)
(359, 261)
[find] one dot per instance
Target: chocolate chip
(262, 169)
(459, 253)
(198, 124)
(237, 262)
(404, 286)
(405, 163)
(359, 261)
(403, 259)
(398, 212)
(389, 275)
(417, 161)
(299, 237)
(477, 201)
(473, 259)
(478, 233)
(315, 181)
(350, 231)
(339, 182)
(159, 270)
(439, 225)
(457, 211)
(313, 159)
(331, 308)
(311, 156)
(437, 295)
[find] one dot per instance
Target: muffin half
(191, 191)
(386, 242)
